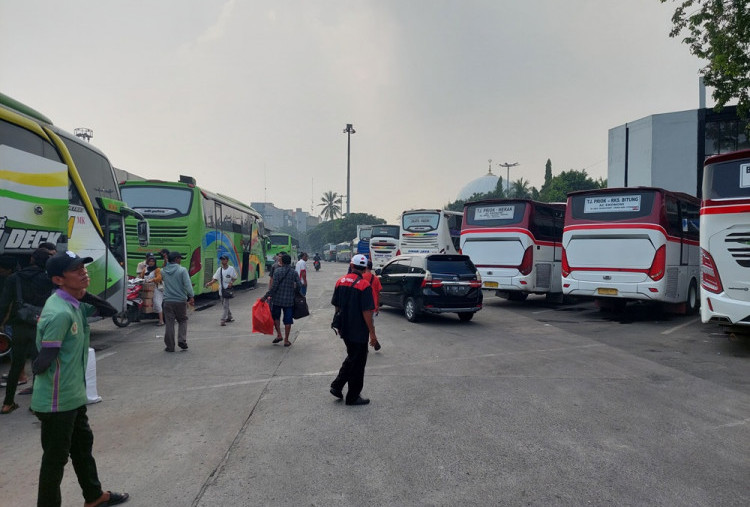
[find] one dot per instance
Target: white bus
(516, 244)
(430, 231)
(725, 239)
(384, 244)
(639, 243)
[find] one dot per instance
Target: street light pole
(507, 184)
(349, 130)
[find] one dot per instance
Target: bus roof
(727, 157)
(422, 210)
(619, 190)
(560, 205)
(23, 109)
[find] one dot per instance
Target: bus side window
(691, 219)
(208, 212)
(674, 224)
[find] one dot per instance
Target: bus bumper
(720, 309)
(642, 291)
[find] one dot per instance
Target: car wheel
(122, 319)
(693, 300)
(410, 310)
(465, 317)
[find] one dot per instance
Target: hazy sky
(251, 97)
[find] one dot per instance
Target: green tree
(569, 181)
(520, 189)
(331, 203)
(718, 31)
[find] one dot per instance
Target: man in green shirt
(59, 398)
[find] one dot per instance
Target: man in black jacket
(35, 288)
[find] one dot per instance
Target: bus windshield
(278, 240)
(158, 202)
(727, 180)
(365, 234)
(421, 222)
(385, 231)
(495, 215)
(611, 207)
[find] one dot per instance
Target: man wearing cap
(225, 275)
(178, 293)
(353, 299)
(59, 398)
(281, 292)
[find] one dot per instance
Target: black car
(432, 283)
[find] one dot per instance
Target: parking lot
(529, 403)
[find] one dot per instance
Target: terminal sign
(613, 203)
(494, 213)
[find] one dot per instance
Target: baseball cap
(359, 260)
(65, 261)
(224, 256)
(173, 256)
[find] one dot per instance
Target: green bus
(199, 224)
(281, 242)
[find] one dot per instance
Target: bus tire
(517, 296)
(121, 319)
(693, 299)
(411, 310)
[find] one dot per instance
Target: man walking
(32, 286)
(59, 399)
(178, 293)
(281, 293)
(301, 269)
(352, 298)
(225, 275)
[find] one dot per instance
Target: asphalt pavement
(524, 405)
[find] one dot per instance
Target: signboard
(612, 203)
(744, 175)
(494, 213)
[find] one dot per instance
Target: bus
(724, 239)
(344, 251)
(199, 224)
(385, 241)
(281, 242)
(57, 188)
(430, 231)
(516, 244)
(639, 243)
(329, 252)
(361, 243)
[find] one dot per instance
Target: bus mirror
(143, 232)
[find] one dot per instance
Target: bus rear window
(608, 207)
(727, 180)
(279, 240)
(158, 202)
(495, 215)
(421, 222)
(385, 231)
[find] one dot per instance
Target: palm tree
(331, 202)
(520, 189)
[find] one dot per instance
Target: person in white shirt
(225, 275)
(301, 269)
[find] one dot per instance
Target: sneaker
(230, 319)
(183, 346)
(223, 323)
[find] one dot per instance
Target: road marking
(684, 324)
(99, 357)
(543, 311)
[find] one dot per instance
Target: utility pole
(507, 184)
(349, 130)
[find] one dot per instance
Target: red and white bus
(638, 243)
(516, 244)
(725, 239)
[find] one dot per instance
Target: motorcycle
(133, 304)
(317, 265)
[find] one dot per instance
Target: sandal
(114, 499)
(276, 340)
(7, 409)
(287, 344)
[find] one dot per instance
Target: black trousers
(352, 370)
(66, 434)
(24, 343)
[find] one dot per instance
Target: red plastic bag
(262, 320)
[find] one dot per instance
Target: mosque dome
(481, 185)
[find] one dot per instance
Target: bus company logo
(15, 239)
(38, 210)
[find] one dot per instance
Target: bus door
(114, 234)
(674, 226)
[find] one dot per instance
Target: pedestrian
(164, 253)
(281, 294)
(59, 399)
(225, 275)
(374, 282)
(178, 293)
(152, 273)
(301, 269)
(353, 300)
(33, 286)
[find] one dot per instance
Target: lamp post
(349, 130)
(507, 184)
(84, 133)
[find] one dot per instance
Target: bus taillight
(195, 262)
(527, 263)
(658, 267)
(565, 266)
(710, 279)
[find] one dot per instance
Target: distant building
(276, 218)
(668, 150)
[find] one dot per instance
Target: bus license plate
(490, 285)
(606, 292)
